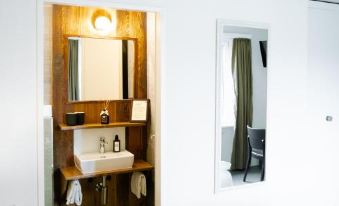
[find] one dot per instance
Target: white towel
(74, 194)
(138, 184)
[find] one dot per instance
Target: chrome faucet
(102, 144)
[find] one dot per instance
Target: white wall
(131, 67)
(88, 140)
(189, 92)
(323, 98)
(101, 69)
(18, 110)
(227, 136)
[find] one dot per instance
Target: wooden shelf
(72, 173)
(98, 125)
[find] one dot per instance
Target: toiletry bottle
(116, 144)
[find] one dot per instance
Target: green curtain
(242, 77)
(73, 79)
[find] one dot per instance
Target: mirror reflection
(241, 110)
(100, 69)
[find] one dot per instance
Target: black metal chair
(256, 149)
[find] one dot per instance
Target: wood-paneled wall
(73, 20)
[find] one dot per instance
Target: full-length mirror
(100, 69)
(241, 105)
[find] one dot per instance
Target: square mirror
(100, 69)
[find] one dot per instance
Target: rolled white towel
(78, 194)
(70, 193)
(143, 185)
(138, 184)
(74, 194)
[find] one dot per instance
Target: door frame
(135, 5)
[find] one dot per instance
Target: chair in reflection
(256, 149)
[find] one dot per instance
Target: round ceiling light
(103, 23)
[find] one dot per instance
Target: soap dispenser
(116, 144)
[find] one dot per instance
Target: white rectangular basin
(100, 162)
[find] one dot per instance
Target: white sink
(98, 162)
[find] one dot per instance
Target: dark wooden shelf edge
(65, 127)
(72, 173)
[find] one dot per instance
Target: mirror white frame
(221, 23)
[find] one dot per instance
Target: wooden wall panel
(70, 20)
(73, 20)
(129, 18)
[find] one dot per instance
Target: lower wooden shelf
(64, 127)
(72, 173)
